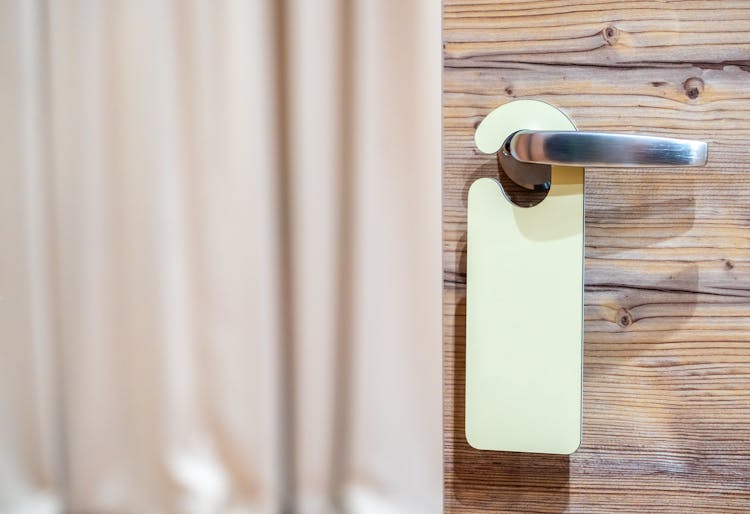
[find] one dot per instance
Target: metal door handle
(570, 148)
(605, 149)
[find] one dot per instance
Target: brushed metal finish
(605, 149)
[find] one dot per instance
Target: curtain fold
(219, 285)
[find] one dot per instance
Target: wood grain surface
(666, 414)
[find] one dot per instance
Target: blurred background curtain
(220, 256)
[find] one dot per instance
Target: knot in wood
(610, 34)
(693, 87)
(624, 318)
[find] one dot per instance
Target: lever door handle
(527, 155)
(571, 148)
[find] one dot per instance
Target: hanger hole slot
(516, 194)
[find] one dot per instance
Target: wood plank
(667, 278)
(596, 32)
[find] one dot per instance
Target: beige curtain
(220, 256)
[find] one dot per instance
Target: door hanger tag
(524, 303)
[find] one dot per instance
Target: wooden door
(666, 381)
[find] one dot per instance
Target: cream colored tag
(524, 302)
